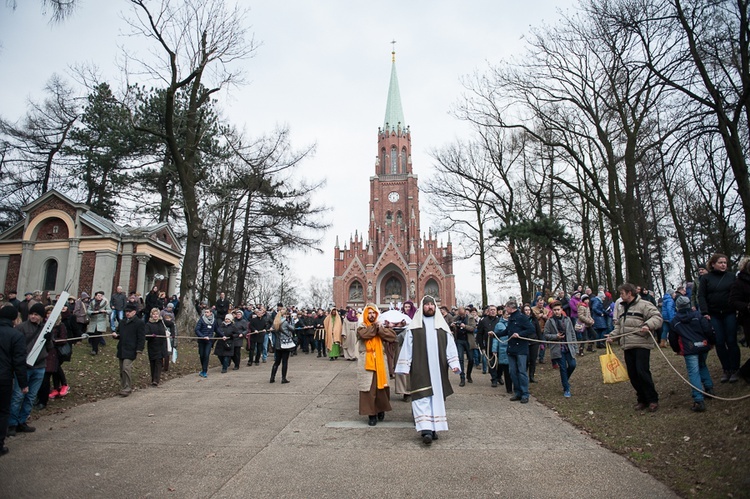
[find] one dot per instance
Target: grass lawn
(696, 454)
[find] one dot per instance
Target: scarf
(374, 356)
(351, 315)
(412, 309)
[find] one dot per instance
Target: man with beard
(427, 353)
(372, 371)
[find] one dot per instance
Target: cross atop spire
(394, 113)
(393, 52)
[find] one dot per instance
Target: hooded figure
(333, 326)
(426, 355)
(373, 374)
(349, 335)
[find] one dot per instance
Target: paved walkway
(236, 435)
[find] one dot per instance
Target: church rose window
(394, 160)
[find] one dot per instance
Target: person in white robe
(428, 352)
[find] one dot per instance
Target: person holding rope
(561, 335)
(691, 335)
(636, 318)
(499, 348)
(12, 367)
(519, 328)
(204, 330)
(131, 334)
(739, 298)
(257, 328)
(156, 342)
(486, 326)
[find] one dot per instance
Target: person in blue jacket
(667, 313)
(519, 329)
(204, 330)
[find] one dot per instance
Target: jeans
(115, 317)
(542, 349)
(256, 350)
(225, 361)
(204, 352)
(727, 348)
(517, 368)
(463, 348)
(20, 404)
(698, 374)
(265, 346)
(637, 361)
(567, 365)
(664, 331)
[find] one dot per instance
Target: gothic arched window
(393, 287)
(356, 291)
(383, 159)
(399, 217)
(394, 160)
(431, 288)
(388, 218)
(403, 160)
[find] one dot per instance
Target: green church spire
(394, 114)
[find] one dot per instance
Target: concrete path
(237, 435)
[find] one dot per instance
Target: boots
(273, 373)
(663, 343)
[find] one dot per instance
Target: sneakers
(724, 377)
(734, 377)
(566, 394)
(64, 390)
(53, 394)
(698, 406)
(24, 428)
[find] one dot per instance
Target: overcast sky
(322, 68)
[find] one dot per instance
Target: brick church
(396, 263)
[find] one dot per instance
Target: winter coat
(225, 348)
(152, 301)
(204, 328)
(365, 377)
(739, 298)
(554, 345)
(241, 330)
(80, 310)
(12, 354)
(98, 311)
(467, 331)
(118, 301)
(574, 301)
(132, 338)
(713, 293)
(521, 324)
(499, 344)
(584, 315)
(599, 313)
(667, 307)
(631, 317)
(690, 333)
(53, 361)
(156, 340)
(286, 330)
(31, 333)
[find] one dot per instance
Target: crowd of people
(412, 353)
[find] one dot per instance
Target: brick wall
(46, 230)
(11, 279)
(88, 231)
(86, 279)
(53, 203)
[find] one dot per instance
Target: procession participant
(559, 332)
(283, 331)
(12, 367)
(132, 335)
(427, 354)
(241, 324)
(98, 311)
(204, 330)
(333, 326)
(224, 349)
(373, 373)
(349, 334)
(256, 335)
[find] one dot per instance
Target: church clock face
(393, 197)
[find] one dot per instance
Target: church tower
(395, 264)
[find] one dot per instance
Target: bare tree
(199, 42)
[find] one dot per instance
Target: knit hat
(8, 312)
(682, 303)
(131, 307)
(39, 310)
(229, 317)
(584, 297)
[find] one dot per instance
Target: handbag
(579, 327)
(287, 343)
(64, 352)
(612, 370)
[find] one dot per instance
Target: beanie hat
(682, 302)
(39, 310)
(131, 307)
(8, 312)
(584, 297)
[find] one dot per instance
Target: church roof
(394, 113)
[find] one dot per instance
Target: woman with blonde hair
(283, 344)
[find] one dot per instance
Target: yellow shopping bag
(612, 369)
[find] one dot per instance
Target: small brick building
(60, 241)
(396, 263)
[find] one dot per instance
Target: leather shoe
(515, 398)
(381, 416)
(468, 379)
(494, 384)
(372, 420)
(11, 431)
(24, 428)
(427, 437)
(640, 406)
(462, 383)
(4, 451)
(653, 407)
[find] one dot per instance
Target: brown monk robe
(373, 374)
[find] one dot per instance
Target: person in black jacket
(12, 366)
(739, 298)
(224, 347)
(241, 325)
(713, 296)
(519, 327)
(485, 326)
(131, 334)
(222, 306)
(156, 339)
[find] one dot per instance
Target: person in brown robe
(373, 373)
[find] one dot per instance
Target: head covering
(84, 295)
(351, 315)
(9, 312)
(131, 307)
(28, 293)
(584, 297)
(412, 310)
(670, 291)
(39, 310)
(365, 313)
(682, 303)
(229, 317)
(417, 320)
